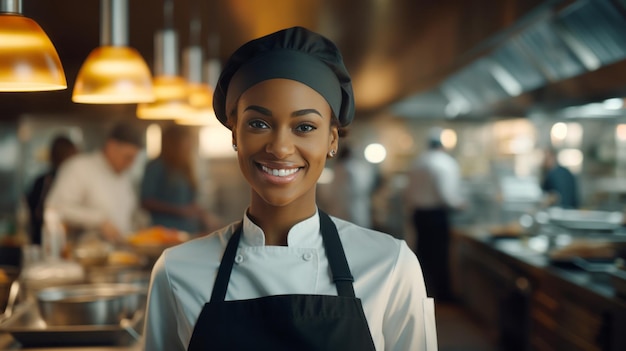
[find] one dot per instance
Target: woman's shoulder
(367, 241)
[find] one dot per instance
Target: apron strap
(226, 266)
(336, 257)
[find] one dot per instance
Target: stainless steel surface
(27, 329)
(585, 220)
(11, 6)
(97, 304)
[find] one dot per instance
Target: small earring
(235, 147)
(332, 153)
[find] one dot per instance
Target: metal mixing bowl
(94, 304)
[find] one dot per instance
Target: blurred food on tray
(158, 235)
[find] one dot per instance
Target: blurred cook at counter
(61, 149)
(168, 189)
(94, 191)
(558, 183)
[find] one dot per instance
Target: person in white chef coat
(433, 192)
(288, 276)
(95, 191)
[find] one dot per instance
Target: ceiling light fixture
(170, 89)
(200, 90)
(28, 60)
(113, 73)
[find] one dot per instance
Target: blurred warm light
(153, 141)
(200, 96)
(262, 17)
(574, 134)
(170, 89)
(171, 102)
(521, 145)
(571, 158)
(114, 75)
(375, 153)
(201, 107)
(28, 60)
(566, 134)
(375, 83)
(558, 132)
(204, 117)
(216, 142)
(327, 176)
(620, 132)
(448, 138)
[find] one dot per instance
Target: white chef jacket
(87, 192)
(435, 182)
(387, 278)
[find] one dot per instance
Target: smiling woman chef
(288, 277)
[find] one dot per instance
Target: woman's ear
(234, 136)
(333, 139)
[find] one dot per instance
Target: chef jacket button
(238, 258)
(307, 256)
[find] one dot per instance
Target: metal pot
(95, 304)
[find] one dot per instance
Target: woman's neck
(277, 221)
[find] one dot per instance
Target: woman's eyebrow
(266, 112)
(259, 109)
(306, 112)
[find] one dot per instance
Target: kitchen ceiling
(397, 51)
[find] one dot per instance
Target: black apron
(285, 322)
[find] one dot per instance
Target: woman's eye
(305, 128)
(258, 124)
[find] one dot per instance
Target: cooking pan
(93, 304)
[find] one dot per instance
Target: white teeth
(279, 172)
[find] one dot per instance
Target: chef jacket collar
(305, 234)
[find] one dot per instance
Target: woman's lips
(279, 175)
(282, 172)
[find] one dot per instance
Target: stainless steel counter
(26, 330)
(8, 343)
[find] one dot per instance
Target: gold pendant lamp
(171, 90)
(200, 87)
(28, 60)
(113, 73)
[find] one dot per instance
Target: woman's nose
(281, 144)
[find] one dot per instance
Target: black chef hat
(294, 53)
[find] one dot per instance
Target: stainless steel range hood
(533, 65)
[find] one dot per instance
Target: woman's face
(283, 134)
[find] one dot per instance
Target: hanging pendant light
(170, 89)
(200, 85)
(200, 92)
(28, 60)
(113, 73)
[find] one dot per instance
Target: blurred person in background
(169, 187)
(60, 150)
(349, 195)
(558, 183)
(94, 191)
(434, 190)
